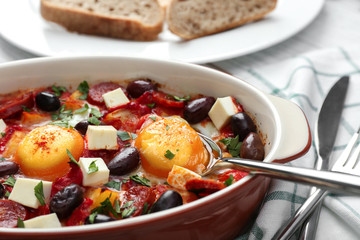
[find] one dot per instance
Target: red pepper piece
(167, 101)
(140, 195)
(41, 210)
(10, 212)
(80, 213)
(204, 187)
(12, 105)
(237, 175)
(96, 91)
(73, 176)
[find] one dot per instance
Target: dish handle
(295, 138)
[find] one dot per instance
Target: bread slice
(191, 19)
(140, 20)
(164, 3)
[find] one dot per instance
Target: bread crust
(191, 19)
(87, 22)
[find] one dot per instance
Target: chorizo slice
(10, 212)
(10, 106)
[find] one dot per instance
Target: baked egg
(168, 142)
(43, 152)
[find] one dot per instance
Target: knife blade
(325, 134)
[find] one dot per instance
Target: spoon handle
(327, 180)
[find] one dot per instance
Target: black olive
(2, 190)
(47, 101)
(197, 110)
(8, 168)
(66, 200)
(82, 126)
(167, 200)
(100, 218)
(252, 147)
(242, 125)
(125, 161)
(137, 88)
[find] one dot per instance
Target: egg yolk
(168, 142)
(42, 153)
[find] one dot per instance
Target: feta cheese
(221, 111)
(102, 137)
(206, 128)
(44, 221)
(178, 177)
(2, 127)
(115, 98)
(96, 178)
(24, 193)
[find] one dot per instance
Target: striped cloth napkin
(305, 80)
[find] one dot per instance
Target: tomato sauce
(125, 196)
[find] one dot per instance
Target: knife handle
(301, 215)
(308, 231)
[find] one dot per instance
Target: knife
(325, 134)
(308, 230)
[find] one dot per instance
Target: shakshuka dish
(112, 151)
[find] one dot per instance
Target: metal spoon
(331, 181)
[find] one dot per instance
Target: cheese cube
(221, 111)
(2, 127)
(178, 176)
(115, 98)
(99, 177)
(102, 137)
(206, 128)
(44, 221)
(24, 193)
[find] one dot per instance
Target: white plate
(22, 25)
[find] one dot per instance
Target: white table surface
(338, 24)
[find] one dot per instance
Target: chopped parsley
(145, 208)
(39, 193)
(92, 217)
(92, 167)
(153, 118)
(96, 113)
(187, 98)
(128, 204)
(167, 127)
(82, 110)
(128, 209)
(233, 145)
(114, 184)
(20, 223)
(2, 159)
(58, 90)
(62, 118)
(7, 194)
(72, 159)
(94, 120)
(10, 181)
(3, 134)
(127, 212)
(117, 205)
(169, 155)
(141, 180)
(151, 105)
(84, 89)
(25, 109)
(229, 181)
(105, 207)
(124, 136)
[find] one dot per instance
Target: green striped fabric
(305, 80)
